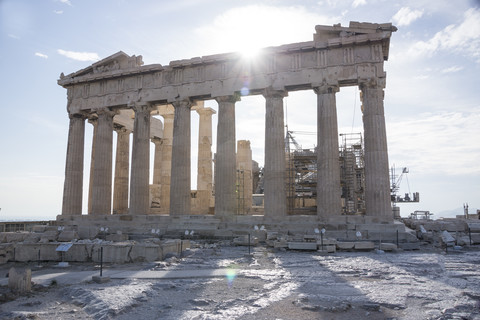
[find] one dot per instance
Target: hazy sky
(432, 97)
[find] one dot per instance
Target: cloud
(41, 55)
(80, 56)
(13, 36)
(406, 16)
(58, 11)
(66, 2)
(452, 69)
(440, 143)
(463, 38)
(357, 3)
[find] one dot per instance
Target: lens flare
(231, 275)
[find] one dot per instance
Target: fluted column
(73, 185)
(204, 164)
(120, 185)
(157, 161)
(93, 122)
(225, 163)
(328, 165)
(168, 118)
(139, 183)
(180, 179)
(274, 171)
(377, 183)
(102, 169)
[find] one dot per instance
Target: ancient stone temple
(121, 94)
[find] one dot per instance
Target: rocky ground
(270, 284)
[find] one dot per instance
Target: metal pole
(470, 235)
(181, 247)
(249, 243)
(321, 237)
(101, 261)
(397, 238)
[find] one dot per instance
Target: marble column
(328, 165)
(166, 171)
(275, 202)
(157, 160)
(377, 182)
(102, 169)
(225, 163)
(93, 122)
(180, 179)
(120, 185)
(204, 164)
(155, 187)
(139, 183)
(244, 177)
(73, 185)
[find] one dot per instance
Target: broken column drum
(108, 90)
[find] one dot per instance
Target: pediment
(117, 61)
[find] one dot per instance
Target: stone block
(169, 247)
(327, 248)
(410, 246)
(280, 244)
(112, 253)
(87, 232)
(79, 253)
(474, 226)
(243, 241)
(39, 229)
(327, 242)
(388, 246)
(116, 237)
(49, 235)
(345, 245)
(144, 252)
(32, 238)
(20, 280)
(67, 236)
(302, 245)
(364, 245)
(16, 236)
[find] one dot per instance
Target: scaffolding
(301, 175)
(352, 173)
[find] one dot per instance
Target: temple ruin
(121, 94)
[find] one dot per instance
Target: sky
(432, 96)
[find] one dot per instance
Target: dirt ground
(268, 284)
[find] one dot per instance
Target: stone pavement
(66, 276)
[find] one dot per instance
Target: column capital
(106, 112)
(373, 83)
(140, 107)
(184, 103)
(232, 98)
(326, 88)
(121, 129)
(206, 111)
(273, 93)
(157, 140)
(79, 115)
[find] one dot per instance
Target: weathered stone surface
(67, 235)
(388, 246)
(16, 236)
(116, 237)
(302, 245)
(345, 245)
(20, 280)
(145, 252)
(364, 245)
